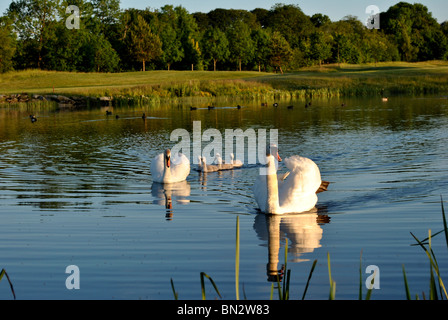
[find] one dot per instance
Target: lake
(75, 189)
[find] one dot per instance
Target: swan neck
(166, 173)
(272, 200)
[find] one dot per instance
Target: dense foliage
(34, 34)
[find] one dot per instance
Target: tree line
(34, 34)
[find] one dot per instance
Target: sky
(335, 9)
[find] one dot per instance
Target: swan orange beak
(279, 158)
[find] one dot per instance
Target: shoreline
(74, 90)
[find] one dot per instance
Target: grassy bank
(154, 86)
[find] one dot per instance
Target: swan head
(167, 157)
(272, 150)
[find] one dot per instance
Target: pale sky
(335, 9)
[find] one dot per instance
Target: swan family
(292, 192)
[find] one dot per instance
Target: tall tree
(7, 47)
(241, 45)
(281, 52)
(107, 12)
(189, 36)
(262, 52)
(291, 22)
(170, 36)
(144, 45)
(215, 46)
(320, 47)
(32, 21)
(418, 35)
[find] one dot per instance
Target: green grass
(154, 86)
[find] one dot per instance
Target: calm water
(75, 189)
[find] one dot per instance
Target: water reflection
(167, 192)
(303, 231)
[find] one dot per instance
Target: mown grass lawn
(395, 77)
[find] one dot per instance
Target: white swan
(294, 192)
(166, 168)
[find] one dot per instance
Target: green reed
(437, 289)
(3, 273)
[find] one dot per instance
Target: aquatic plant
(3, 273)
(436, 286)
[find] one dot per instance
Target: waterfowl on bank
(275, 104)
(193, 108)
(33, 118)
(167, 168)
(293, 192)
(108, 113)
(211, 107)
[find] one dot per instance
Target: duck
(166, 168)
(108, 113)
(211, 107)
(275, 104)
(293, 192)
(33, 118)
(193, 108)
(204, 167)
(221, 165)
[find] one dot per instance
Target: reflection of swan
(178, 191)
(169, 169)
(303, 231)
(293, 192)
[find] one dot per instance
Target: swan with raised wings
(293, 192)
(167, 168)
